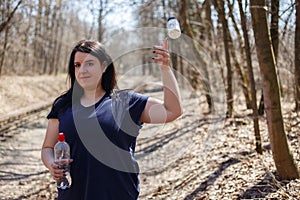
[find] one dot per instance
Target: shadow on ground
(263, 188)
(202, 187)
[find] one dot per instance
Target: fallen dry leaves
(196, 157)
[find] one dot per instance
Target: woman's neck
(90, 97)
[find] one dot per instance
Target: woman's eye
(76, 65)
(90, 64)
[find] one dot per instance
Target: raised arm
(169, 109)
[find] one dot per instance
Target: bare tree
(9, 16)
(37, 46)
(297, 57)
(274, 26)
(275, 41)
(195, 77)
(54, 42)
(220, 7)
(243, 79)
(100, 19)
(2, 53)
(251, 78)
(285, 165)
(35, 38)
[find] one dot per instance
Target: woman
(101, 126)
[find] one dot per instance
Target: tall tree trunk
(274, 31)
(10, 16)
(25, 57)
(195, 75)
(244, 81)
(229, 96)
(2, 54)
(282, 156)
(45, 53)
(275, 42)
(251, 78)
(208, 23)
(274, 26)
(297, 57)
(37, 38)
(100, 21)
(59, 45)
(6, 27)
(56, 43)
(53, 39)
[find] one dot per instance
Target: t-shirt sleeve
(136, 106)
(53, 114)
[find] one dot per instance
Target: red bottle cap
(61, 137)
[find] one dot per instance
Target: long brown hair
(108, 81)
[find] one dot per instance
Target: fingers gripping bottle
(62, 156)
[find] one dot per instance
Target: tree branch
(6, 22)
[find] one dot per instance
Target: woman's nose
(82, 69)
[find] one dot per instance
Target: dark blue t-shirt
(102, 140)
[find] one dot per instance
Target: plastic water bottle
(62, 156)
(173, 27)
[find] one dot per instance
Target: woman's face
(88, 70)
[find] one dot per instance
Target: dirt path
(22, 174)
(181, 160)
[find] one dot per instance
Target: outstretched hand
(162, 51)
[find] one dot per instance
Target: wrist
(165, 67)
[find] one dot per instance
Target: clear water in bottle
(62, 156)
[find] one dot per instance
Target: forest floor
(198, 156)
